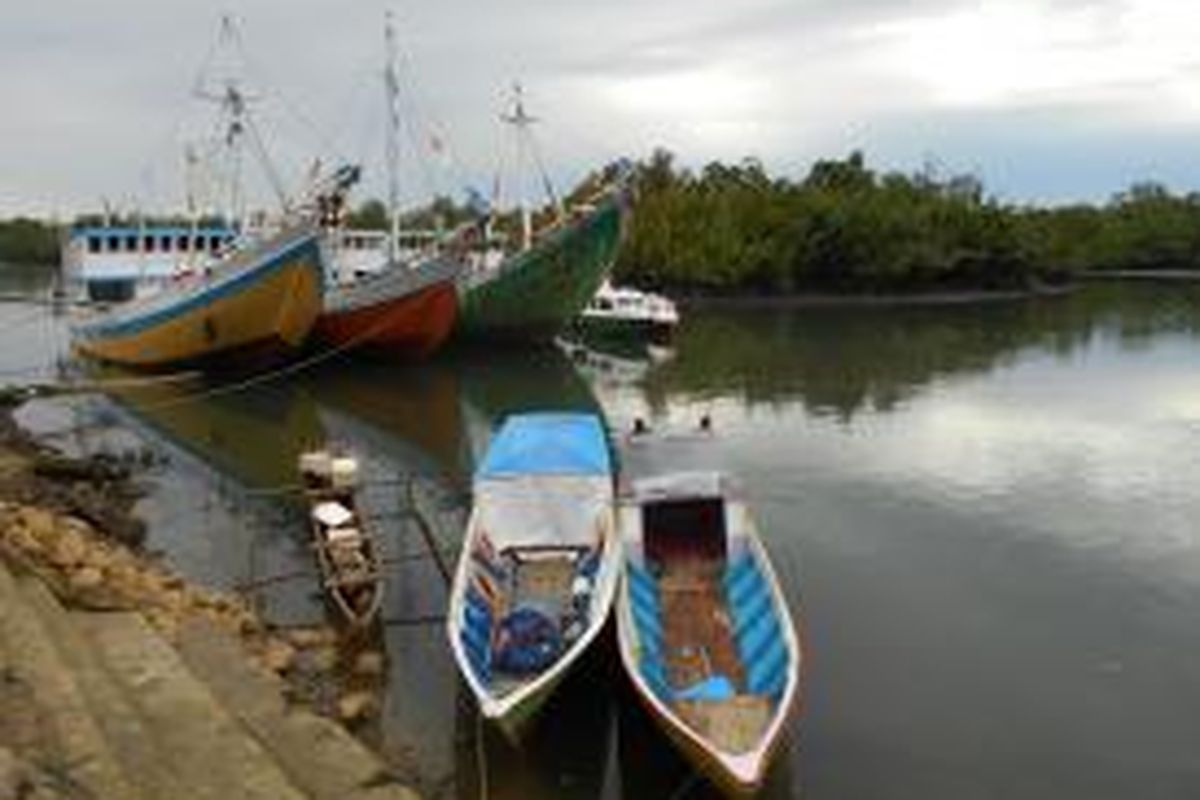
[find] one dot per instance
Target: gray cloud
(96, 96)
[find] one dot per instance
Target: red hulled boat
(405, 311)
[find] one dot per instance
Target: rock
(279, 656)
(306, 637)
(25, 541)
(247, 623)
(86, 578)
(325, 658)
(75, 525)
(68, 551)
(355, 706)
(38, 522)
(369, 664)
(174, 602)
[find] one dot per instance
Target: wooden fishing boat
(391, 292)
(535, 292)
(256, 305)
(349, 561)
(704, 629)
(539, 564)
(532, 290)
(400, 310)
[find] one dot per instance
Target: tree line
(28, 241)
(842, 228)
(731, 228)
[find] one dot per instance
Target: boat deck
(697, 635)
(698, 644)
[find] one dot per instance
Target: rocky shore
(69, 523)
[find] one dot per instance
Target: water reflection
(986, 514)
(839, 361)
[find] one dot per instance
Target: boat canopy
(542, 511)
(682, 486)
(550, 443)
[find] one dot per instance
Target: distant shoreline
(806, 300)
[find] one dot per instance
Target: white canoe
(539, 565)
(704, 629)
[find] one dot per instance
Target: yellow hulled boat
(257, 305)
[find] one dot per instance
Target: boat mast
(391, 87)
(523, 123)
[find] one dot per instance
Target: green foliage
(846, 228)
(28, 241)
(371, 215)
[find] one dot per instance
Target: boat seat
(714, 687)
(760, 642)
(476, 634)
(647, 615)
(331, 513)
(344, 537)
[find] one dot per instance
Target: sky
(1048, 102)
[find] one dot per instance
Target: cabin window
(114, 244)
(164, 243)
(181, 243)
(148, 243)
(604, 304)
(214, 243)
(131, 244)
(93, 244)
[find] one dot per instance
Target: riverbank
(73, 572)
(1149, 275)
(810, 300)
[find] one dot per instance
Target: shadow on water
(569, 753)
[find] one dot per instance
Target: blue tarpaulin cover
(547, 443)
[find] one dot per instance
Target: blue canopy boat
(539, 564)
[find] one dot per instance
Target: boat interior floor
(699, 645)
(545, 580)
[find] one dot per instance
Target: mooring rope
(252, 381)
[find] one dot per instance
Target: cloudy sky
(1047, 100)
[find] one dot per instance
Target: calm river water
(987, 516)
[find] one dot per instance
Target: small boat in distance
(621, 312)
(351, 574)
(539, 564)
(703, 626)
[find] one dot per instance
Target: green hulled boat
(535, 292)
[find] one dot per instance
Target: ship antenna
(391, 86)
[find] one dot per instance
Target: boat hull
(402, 312)
(613, 328)
(534, 294)
(739, 774)
(541, 500)
(257, 313)
(407, 327)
